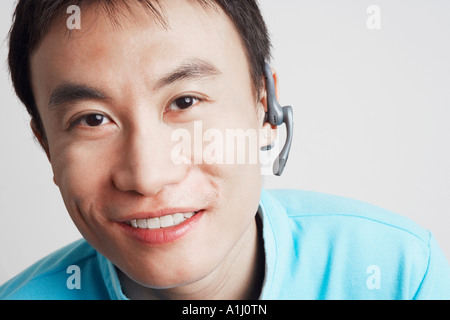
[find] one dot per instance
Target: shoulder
(49, 278)
(339, 243)
(315, 206)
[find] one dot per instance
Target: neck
(238, 277)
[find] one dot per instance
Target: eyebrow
(73, 92)
(189, 69)
(69, 92)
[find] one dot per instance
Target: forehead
(108, 22)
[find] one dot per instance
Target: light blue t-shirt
(317, 246)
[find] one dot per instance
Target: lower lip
(162, 236)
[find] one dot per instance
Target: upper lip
(157, 213)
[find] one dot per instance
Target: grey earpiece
(276, 115)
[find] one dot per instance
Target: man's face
(110, 99)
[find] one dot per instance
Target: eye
(92, 120)
(184, 103)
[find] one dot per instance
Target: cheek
(239, 187)
(237, 166)
(232, 135)
(80, 170)
(243, 187)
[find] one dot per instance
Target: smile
(161, 222)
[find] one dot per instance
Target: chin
(167, 278)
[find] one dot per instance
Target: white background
(371, 107)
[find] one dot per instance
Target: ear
(269, 132)
(42, 140)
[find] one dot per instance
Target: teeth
(153, 223)
(188, 215)
(142, 223)
(178, 218)
(161, 222)
(166, 221)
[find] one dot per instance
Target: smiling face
(110, 99)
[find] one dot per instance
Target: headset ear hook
(276, 115)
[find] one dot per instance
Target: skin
(110, 171)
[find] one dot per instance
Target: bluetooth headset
(276, 115)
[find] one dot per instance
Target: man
(106, 100)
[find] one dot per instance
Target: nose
(145, 165)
